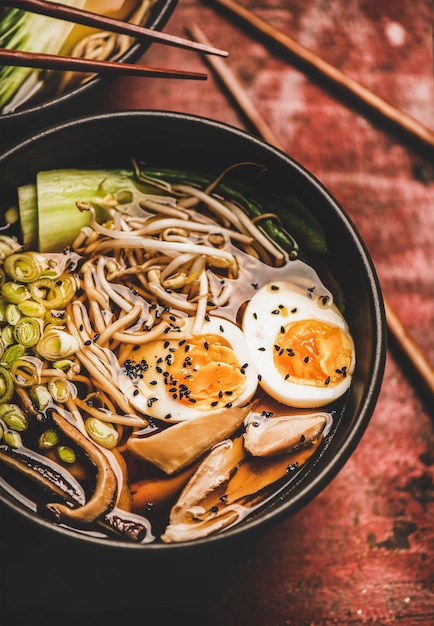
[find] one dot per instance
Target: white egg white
(158, 396)
(273, 307)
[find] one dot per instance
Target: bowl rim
(325, 474)
(129, 56)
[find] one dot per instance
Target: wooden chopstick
(57, 62)
(412, 351)
(87, 18)
(342, 81)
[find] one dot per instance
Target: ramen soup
(170, 362)
(31, 32)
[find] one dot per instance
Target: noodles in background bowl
(22, 87)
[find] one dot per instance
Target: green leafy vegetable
(29, 32)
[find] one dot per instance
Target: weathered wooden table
(363, 551)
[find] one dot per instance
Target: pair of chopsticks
(346, 85)
(411, 350)
(87, 18)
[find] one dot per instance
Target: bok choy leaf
(29, 32)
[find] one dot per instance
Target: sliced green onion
(63, 364)
(14, 291)
(13, 314)
(31, 308)
(40, 397)
(101, 432)
(13, 352)
(25, 267)
(24, 373)
(59, 389)
(49, 439)
(57, 344)
(7, 335)
(66, 454)
(6, 385)
(27, 331)
(54, 293)
(12, 439)
(14, 417)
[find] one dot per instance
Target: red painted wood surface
(363, 551)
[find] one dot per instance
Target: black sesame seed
(275, 312)
(214, 403)
(274, 287)
(306, 359)
(259, 377)
(87, 343)
(255, 316)
(327, 380)
(262, 349)
(292, 466)
(135, 392)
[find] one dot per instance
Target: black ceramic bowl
(35, 116)
(164, 139)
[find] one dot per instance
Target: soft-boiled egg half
(301, 345)
(183, 376)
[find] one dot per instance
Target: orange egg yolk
(313, 352)
(205, 373)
